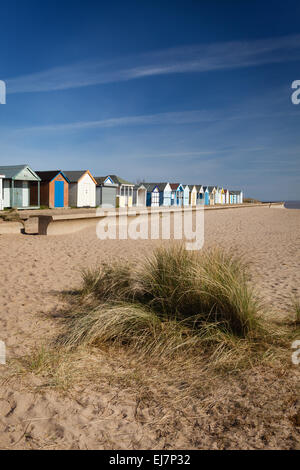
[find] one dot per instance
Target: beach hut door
(59, 194)
(18, 194)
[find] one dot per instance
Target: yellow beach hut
(193, 195)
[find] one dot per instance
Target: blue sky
(189, 91)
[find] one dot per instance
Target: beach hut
(124, 191)
(240, 197)
(222, 196)
(206, 195)
(1, 192)
(200, 194)
(82, 188)
(218, 195)
(193, 195)
(158, 194)
(177, 194)
(106, 192)
(237, 197)
(17, 186)
(54, 189)
(234, 195)
(227, 196)
(139, 195)
(212, 195)
(186, 195)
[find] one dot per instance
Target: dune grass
(173, 302)
(185, 316)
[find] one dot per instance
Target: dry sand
(36, 269)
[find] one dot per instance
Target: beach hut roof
(117, 180)
(174, 186)
(100, 180)
(151, 186)
(235, 191)
(48, 176)
(12, 171)
(75, 176)
(198, 187)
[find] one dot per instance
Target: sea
(292, 204)
(288, 204)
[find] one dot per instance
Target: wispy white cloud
(169, 118)
(188, 59)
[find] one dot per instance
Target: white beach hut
(218, 195)
(1, 192)
(82, 188)
(227, 196)
(139, 195)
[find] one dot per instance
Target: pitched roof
(117, 180)
(11, 171)
(151, 186)
(100, 180)
(174, 186)
(47, 176)
(74, 176)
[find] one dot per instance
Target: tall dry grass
(173, 302)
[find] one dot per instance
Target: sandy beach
(104, 415)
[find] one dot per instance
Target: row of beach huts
(23, 188)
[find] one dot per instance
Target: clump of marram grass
(107, 282)
(199, 287)
(173, 301)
